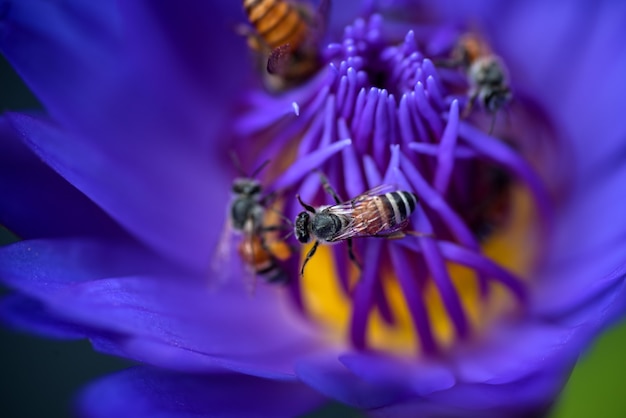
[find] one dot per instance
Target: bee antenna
(287, 236)
(235, 159)
(238, 166)
(309, 208)
(259, 168)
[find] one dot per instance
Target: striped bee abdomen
(398, 206)
(276, 22)
(384, 214)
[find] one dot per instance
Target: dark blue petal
(165, 194)
(194, 320)
(145, 392)
(190, 46)
(42, 267)
(90, 72)
(24, 313)
(66, 53)
(327, 375)
(36, 202)
(589, 244)
(175, 321)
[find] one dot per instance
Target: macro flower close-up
(411, 208)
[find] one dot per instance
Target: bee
(286, 34)
(486, 74)
(379, 212)
(246, 216)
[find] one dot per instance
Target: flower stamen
(380, 113)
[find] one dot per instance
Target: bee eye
(254, 189)
(301, 228)
(238, 186)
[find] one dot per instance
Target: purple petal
(593, 75)
(166, 199)
(189, 315)
(531, 397)
(193, 316)
(42, 267)
(423, 378)
(329, 377)
(37, 202)
(82, 61)
(65, 53)
(569, 280)
(518, 371)
(145, 392)
(29, 314)
(513, 352)
(590, 299)
(191, 55)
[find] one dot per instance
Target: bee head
(247, 187)
(301, 228)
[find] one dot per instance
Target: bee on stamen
(260, 249)
(286, 35)
(379, 212)
(486, 74)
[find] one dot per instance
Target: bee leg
(253, 272)
(448, 63)
(470, 103)
(418, 234)
(278, 61)
(267, 200)
(274, 228)
(308, 257)
(402, 234)
(394, 235)
(244, 30)
(493, 123)
(329, 189)
(255, 42)
(352, 256)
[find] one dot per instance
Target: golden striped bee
(486, 74)
(247, 216)
(379, 212)
(286, 34)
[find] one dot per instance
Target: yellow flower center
(329, 305)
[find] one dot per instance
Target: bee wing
(248, 242)
(223, 262)
(358, 212)
(220, 264)
(352, 210)
(376, 191)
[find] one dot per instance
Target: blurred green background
(38, 377)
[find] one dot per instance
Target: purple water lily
(120, 192)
